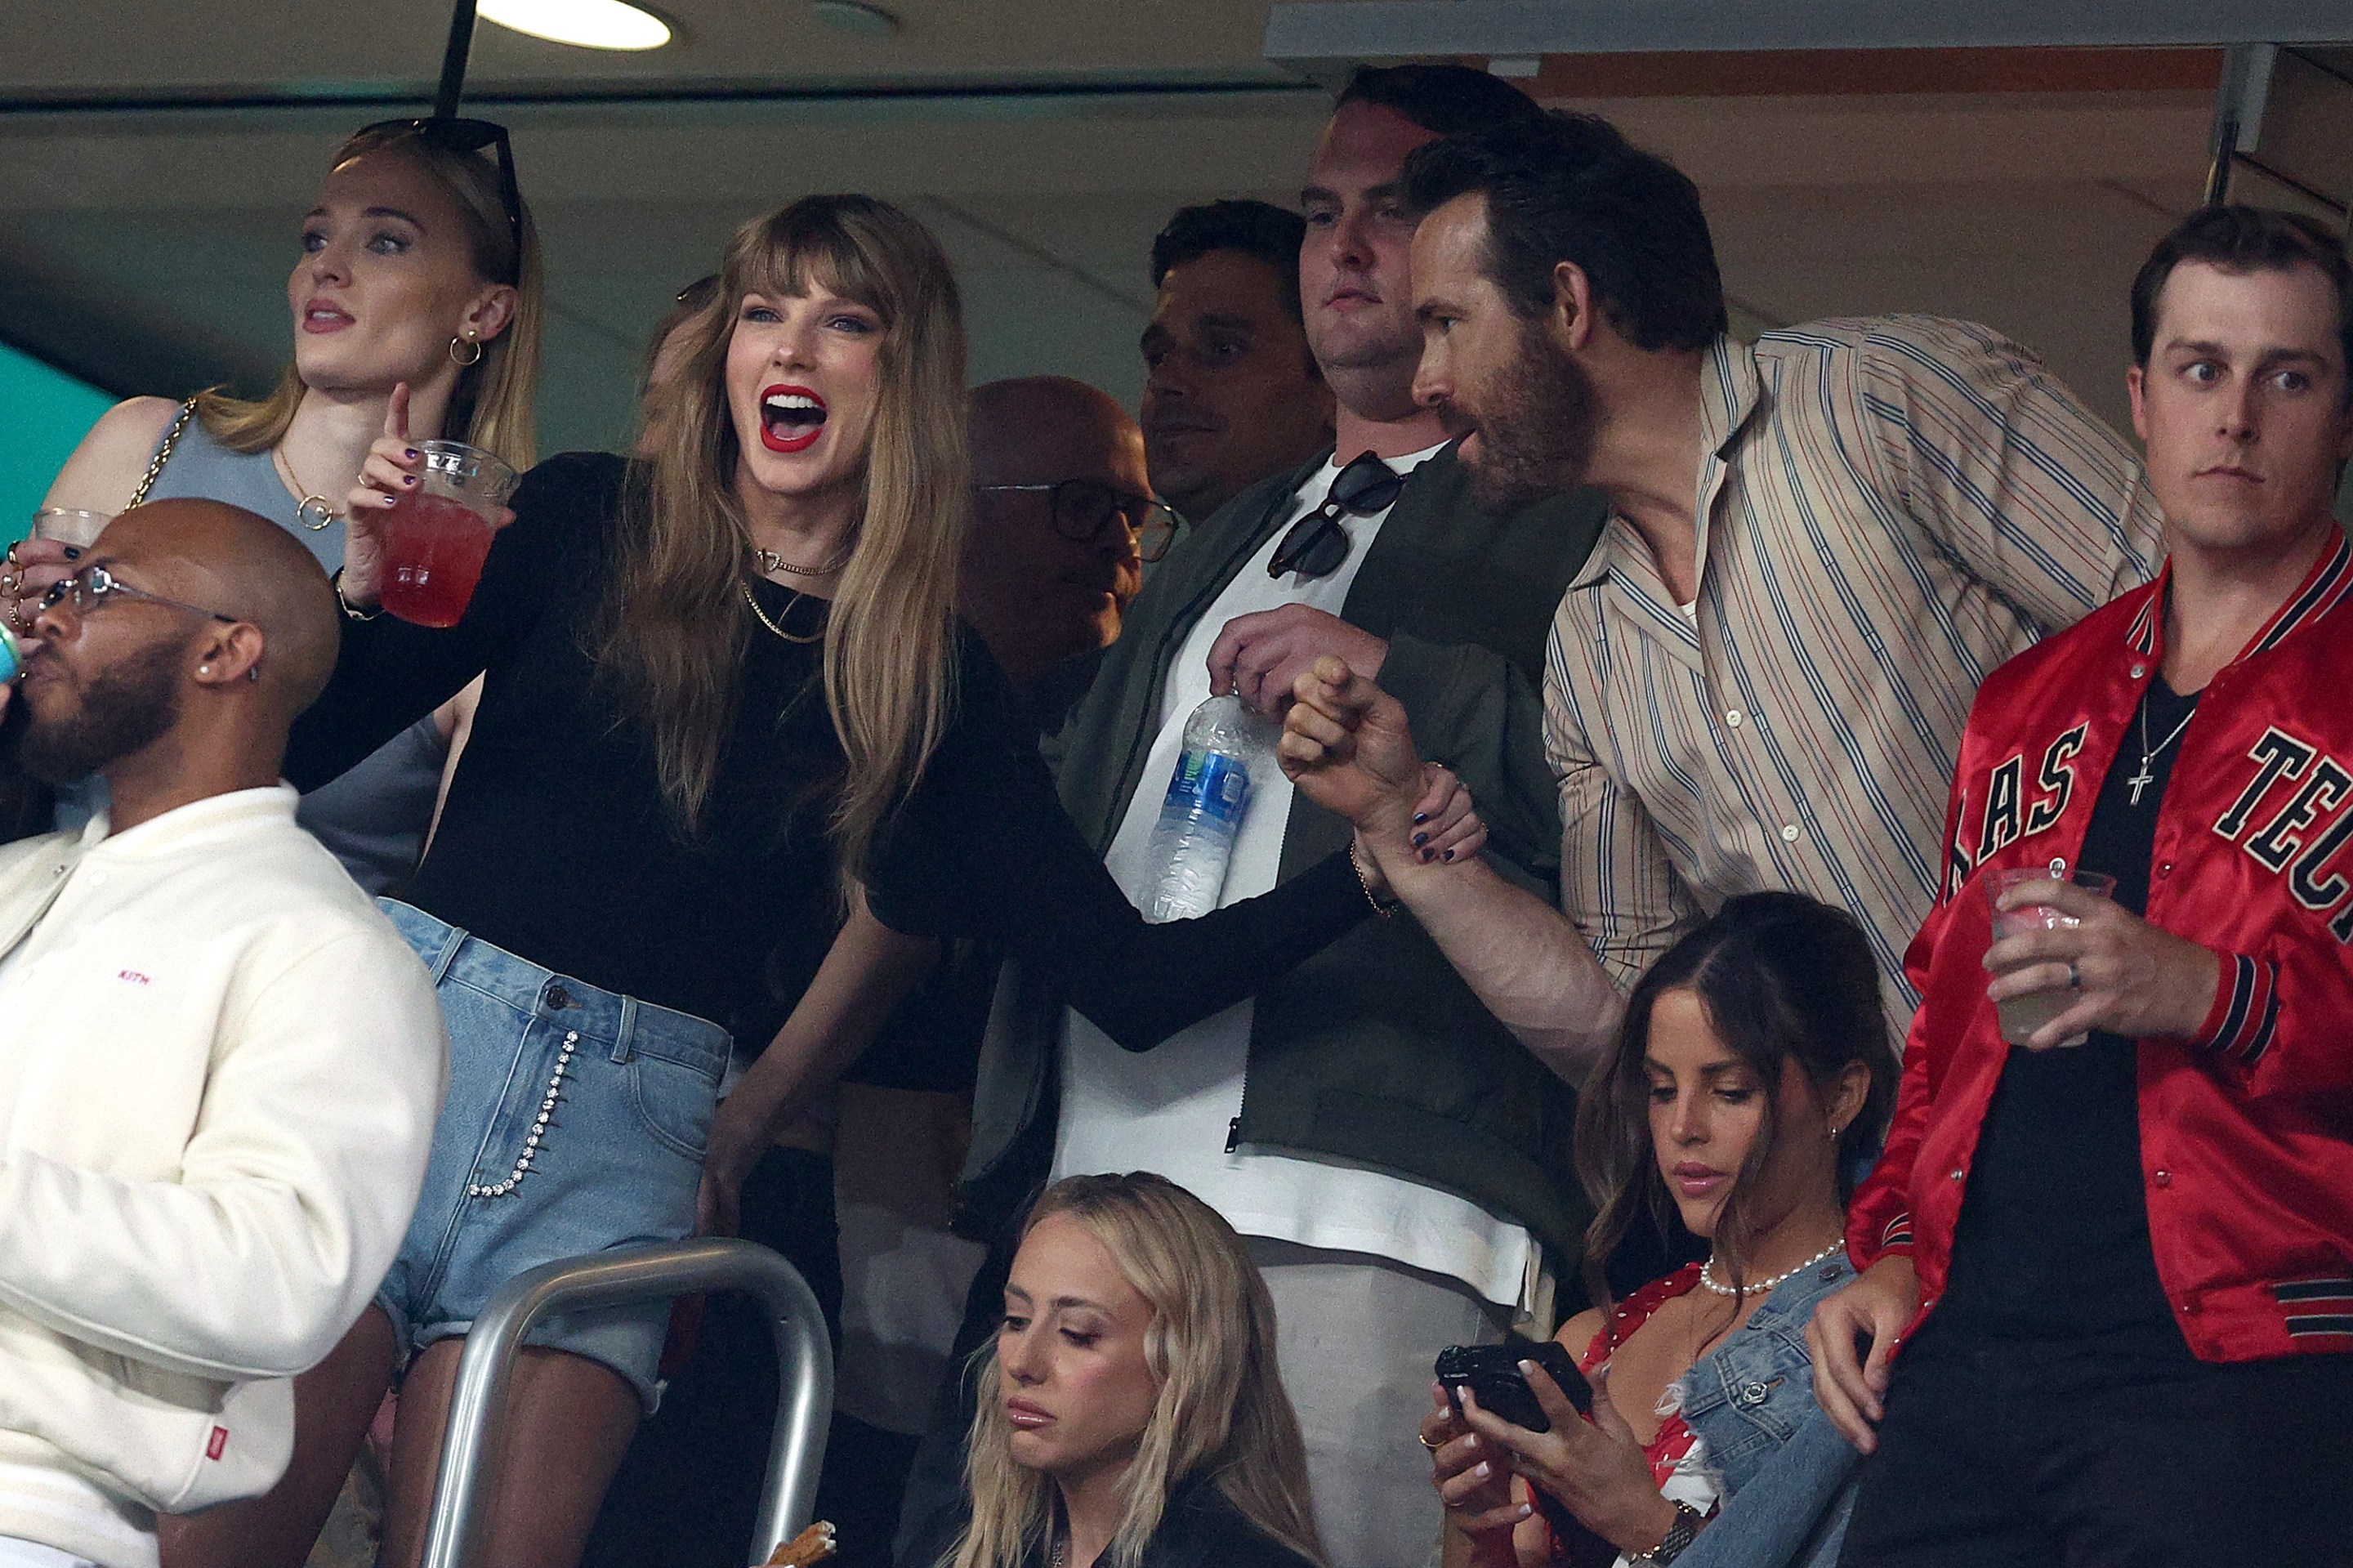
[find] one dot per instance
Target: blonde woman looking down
(1131, 1415)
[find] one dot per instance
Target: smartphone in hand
(1491, 1372)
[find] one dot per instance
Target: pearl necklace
(1707, 1273)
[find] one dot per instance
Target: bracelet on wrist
(1385, 904)
(1679, 1535)
(350, 609)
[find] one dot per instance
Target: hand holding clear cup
(2016, 914)
(420, 523)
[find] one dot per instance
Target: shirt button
(1788, 832)
(1957, 1173)
(1733, 718)
(2165, 868)
(2163, 1177)
(2139, 671)
(2190, 1304)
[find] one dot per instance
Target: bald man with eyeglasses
(219, 1065)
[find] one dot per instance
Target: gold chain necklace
(816, 636)
(303, 508)
(771, 562)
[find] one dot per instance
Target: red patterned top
(1675, 1440)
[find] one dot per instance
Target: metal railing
(478, 1409)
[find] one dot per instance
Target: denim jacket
(1787, 1474)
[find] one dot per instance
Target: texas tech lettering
(2299, 840)
(2011, 812)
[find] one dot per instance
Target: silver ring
(2074, 975)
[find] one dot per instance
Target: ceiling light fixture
(851, 16)
(590, 24)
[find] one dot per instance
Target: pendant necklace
(2148, 754)
(310, 505)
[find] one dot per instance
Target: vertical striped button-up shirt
(1886, 509)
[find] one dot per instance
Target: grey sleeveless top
(374, 817)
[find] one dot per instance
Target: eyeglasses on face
(94, 585)
(1316, 543)
(1081, 508)
(467, 137)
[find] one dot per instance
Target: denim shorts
(576, 1121)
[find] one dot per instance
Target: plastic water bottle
(1207, 794)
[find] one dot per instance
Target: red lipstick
(791, 418)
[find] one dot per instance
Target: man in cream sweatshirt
(219, 1065)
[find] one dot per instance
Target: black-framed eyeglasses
(1316, 543)
(94, 585)
(1082, 507)
(467, 137)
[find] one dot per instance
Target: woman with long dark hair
(725, 699)
(1751, 1078)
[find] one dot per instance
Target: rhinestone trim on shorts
(538, 1128)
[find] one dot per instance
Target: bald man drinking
(219, 1065)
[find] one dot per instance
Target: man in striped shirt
(1821, 543)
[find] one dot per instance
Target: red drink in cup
(436, 536)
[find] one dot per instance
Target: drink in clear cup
(71, 525)
(2021, 1016)
(436, 536)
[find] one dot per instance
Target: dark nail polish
(1420, 818)
(73, 551)
(1425, 857)
(1450, 854)
(408, 479)
(1420, 839)
(411, 453)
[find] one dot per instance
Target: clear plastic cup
(71, 525)
(2021, 1016)
(436, 535)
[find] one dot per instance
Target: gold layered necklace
(816, 636)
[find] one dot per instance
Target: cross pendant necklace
(2148, 754)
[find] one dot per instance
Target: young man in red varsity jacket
(2121, 1267)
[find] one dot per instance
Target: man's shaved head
(1026, 425)
(241, 565)
(1035, 594)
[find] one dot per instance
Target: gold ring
(1426, 1443)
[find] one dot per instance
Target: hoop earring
(469, 341)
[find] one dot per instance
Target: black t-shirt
(556, 844)
(2052, 1241)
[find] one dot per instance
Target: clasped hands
(1595, 1468)
(1347, 746)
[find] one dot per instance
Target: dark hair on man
(1782, 978)
(1445, 100)
(1254, 227)
(1570, 188)
(2240, 239)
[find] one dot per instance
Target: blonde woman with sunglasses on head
(420, 266)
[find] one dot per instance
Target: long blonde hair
(493, 406)
(678, 621)
(1222, 1411)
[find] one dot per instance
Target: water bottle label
(1210, 783)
